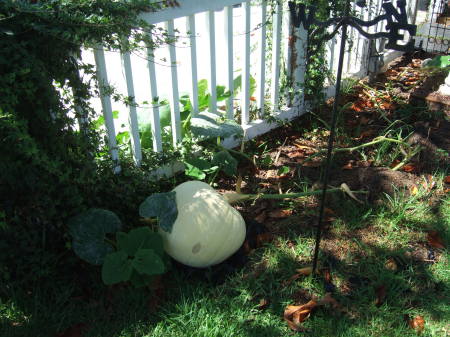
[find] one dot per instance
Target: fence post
(299, 50)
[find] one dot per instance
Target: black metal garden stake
(396, 20)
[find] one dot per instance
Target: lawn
(384, 264)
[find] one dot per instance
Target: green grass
(196, 307)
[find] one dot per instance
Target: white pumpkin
(207, 229)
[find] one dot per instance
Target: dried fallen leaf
(434, 240)
(348, 166)
(263, 304)
(303, 147)
(414, 190)
(395, 163)
(390, 264)
(447, 179)
(347, 190)
(294, 315)
(428, 182)
(409, 168)
(304, 271)
(326, 275)
(300, 272)
(328, 299)
(381, 295)
(296, 154)
(417, 323)
(280, 213)
(447, 190)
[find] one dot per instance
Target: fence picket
(132, 116)
(229, 40)
(210, 19)
(154, 114)
(102, 78)
(262, 69)
(194, 87)
(245, 111)
(175, 98)
(275, 85)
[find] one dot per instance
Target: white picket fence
(227, 38)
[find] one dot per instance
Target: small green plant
(206, 127)
(136, 256)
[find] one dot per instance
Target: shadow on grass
(195, 304)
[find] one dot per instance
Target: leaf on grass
(304, 271)
(295, 315)
(300, 272)
(163, 206)
(280, 213)
(447, 180)
(263, 304)
(348, 166)
(381, 295)
(414, 190)
(390, 264)
(417, 323)
(394, 163)
(296, 154)
(410, 168)
(347, 190)
(88, 231)
(434, 240)
(428, 182)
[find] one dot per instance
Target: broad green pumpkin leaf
(116, 268)
(139, 238)
(439, 61)
(237, 84)
(163, 206)
(88, 231)
(194, 172)
(147, 262)
(221, 94)
(226, 162)
(141, 280)
(208, 125)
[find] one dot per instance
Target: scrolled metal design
(396, 20)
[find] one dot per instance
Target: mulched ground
(369, 106)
